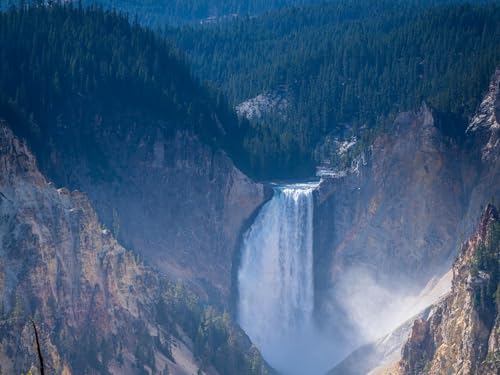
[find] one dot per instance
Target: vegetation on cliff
(98, 307)
(461, 335)
(217, 341)
(346, 65)
(486, 265)
(66, 71)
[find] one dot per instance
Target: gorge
(376, 261)
(139, 228)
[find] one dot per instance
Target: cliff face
(383, 355)
(461, 334)
(483, 135)
(397, 212)
(173, 199)
(98, 308)
(135, 131)
(385, 229)
(395, 219)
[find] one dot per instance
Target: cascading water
(275, 280)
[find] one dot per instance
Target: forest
(67, 69)
(348, 67)
(159, 13)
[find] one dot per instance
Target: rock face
(397, 212)
(387, 227)
(98, 308)
(396, 217)
(483, 134)
(372, 358)
(268, 103)
(461, 334)
(171, 198)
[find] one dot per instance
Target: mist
(374, 310)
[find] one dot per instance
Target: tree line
(346, 65)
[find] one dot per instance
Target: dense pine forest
(157, 14)
(66, 70)
(346, 68)
(346, 65)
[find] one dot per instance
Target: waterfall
(275, 279)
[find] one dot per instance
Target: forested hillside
(65, 70)
(159, 13)
(90, 92)
(346, 65)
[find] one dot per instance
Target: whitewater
(276, 280)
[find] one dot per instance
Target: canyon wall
(98, 308)
(394, 220)
(461, 333)
(171, 198)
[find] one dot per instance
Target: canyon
(138, 233)
(390, 220)
(99, 308)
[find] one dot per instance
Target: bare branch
(39, 350)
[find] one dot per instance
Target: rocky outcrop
(392, 220)
(176, 201)
(374, 357)
(456, 335)
(460, 336)
(99, 309)
(269, 103)
(483, 135)
(398, 212)
(485, 126)
(395, 218)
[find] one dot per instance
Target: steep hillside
(395, 216)
(111, 110)
(99, 310)
(160, 13)
(393, 220)
(348, 67)
(461, 336)
(455, 335)
(483, 134)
